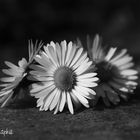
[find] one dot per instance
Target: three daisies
(65, 76)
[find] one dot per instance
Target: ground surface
(26, 122)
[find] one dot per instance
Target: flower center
(64, 78)
(105, 72)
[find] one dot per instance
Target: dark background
(117, 21)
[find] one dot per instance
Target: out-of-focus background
(117, 21)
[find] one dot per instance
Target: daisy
(15, 81)
(115, 71)
(64, 77)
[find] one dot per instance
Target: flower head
(15, 81)
(115, 71)
(64, 78)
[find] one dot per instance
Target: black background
(118, 22)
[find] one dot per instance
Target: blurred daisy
(63, 72)
(15, 81)
(115, 71)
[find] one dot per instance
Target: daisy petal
(122, 53)
(79, 52)
(88, 79)
(55, 100)
(69, 102)
(84, 66)
(37, 67)
(74, 99)
(57, 107)
(2, 93)
(63, 100)
(87, 75)
(51, 54)
(22, 63)
(129, 72)
(44, 93)
(49, 99)
(126, 66)
(85, 93)
(11, 72)
(83, 100)
(95, 45)
(39, 73)
(37, 87)
(87, 84)
(126, 59)
(8, 79)
(44, 62)
(110, 54)
(69, 49)
(80, 61)
(59, 53)
(11, 65)
(71, 55)
(111, 94)
(5, 99)
(132, 77)
(63, 45)
(43, 78)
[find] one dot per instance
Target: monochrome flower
(15, 81)
(115, 71)
(64, 78)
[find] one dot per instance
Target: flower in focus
(115, 71)
(16, 79)
(64, 78)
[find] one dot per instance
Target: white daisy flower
(16, 76)
(115, 70)
(62, 70)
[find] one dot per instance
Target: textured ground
(118, 22)
(26, 122)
